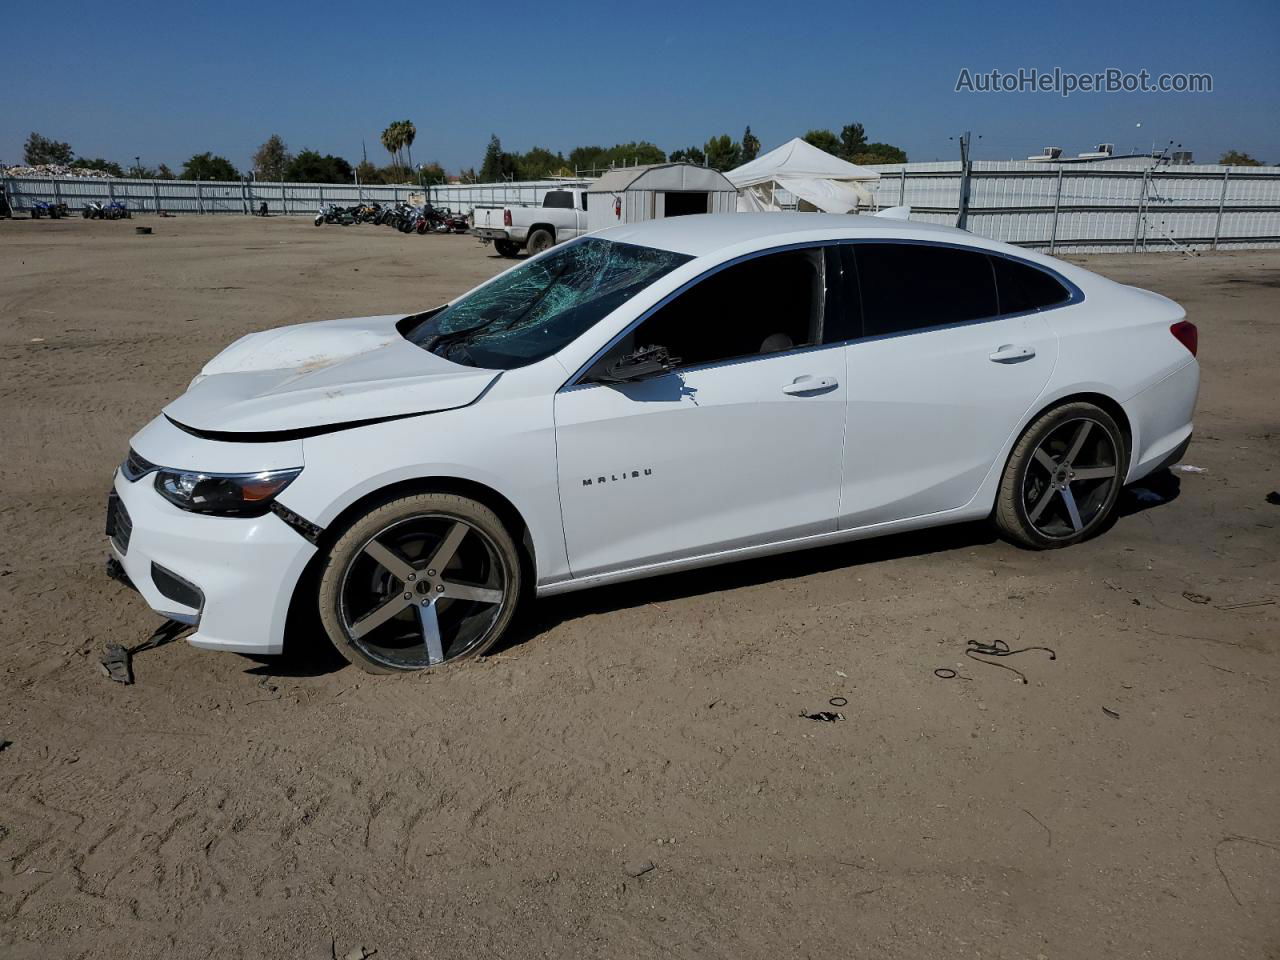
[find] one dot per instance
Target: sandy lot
(224, 807)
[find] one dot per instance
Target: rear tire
(505, 248)
(1063, 478)
(418, 582)
(538, 241)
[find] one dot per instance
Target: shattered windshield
(541, 306)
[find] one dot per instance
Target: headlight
(229, 494)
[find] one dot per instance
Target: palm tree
(392, 141)
(407, 133)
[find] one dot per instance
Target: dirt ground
(1124, 803)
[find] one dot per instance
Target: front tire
(420, 581)
(1063, 478)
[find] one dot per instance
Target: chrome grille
(136, 467)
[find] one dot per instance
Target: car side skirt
(969, 511)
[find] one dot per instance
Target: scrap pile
(53, 170)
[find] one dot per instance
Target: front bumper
(232, 577)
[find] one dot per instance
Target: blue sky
(166, 81)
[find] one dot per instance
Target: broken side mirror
(638, 364)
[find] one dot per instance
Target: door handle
(1012, 353)
(810, 384)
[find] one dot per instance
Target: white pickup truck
(562, 216)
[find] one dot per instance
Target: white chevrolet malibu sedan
(643, 400)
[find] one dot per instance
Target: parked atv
(53, 211)
(93, 210)
(115, 210)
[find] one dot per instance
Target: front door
(739, 445)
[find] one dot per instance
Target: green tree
(1236, 158)
(38, 150)
(853, 141)
(433, 173)
(497, 164)
(880, 153)
(368, 173)
(97, 163)
(309, 166)
(750, 145)
(164, 173)
(538, 163)
(588, 158)
(823, 140)
(635, 153)
(207, 166)
(689, 155)
(271, 159)
(722, 152)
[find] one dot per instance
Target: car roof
(702, 235)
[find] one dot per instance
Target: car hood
(323, 374)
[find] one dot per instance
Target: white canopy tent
(816, 179)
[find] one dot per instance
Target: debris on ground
(1188, 468)
(1143, 495)
(1195, 597)
(5, 745)
(1267, 601)
(117, 661)
(1273, 498)
(825, 716)
(1111, 713)
(358, 953)
(976, 650)
(638, 868)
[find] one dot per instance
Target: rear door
(938, 380)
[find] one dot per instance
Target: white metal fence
(1059, 208)
(1082, 208)
(209, 196)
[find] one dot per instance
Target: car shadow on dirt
(549, 612)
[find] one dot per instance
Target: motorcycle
(455, 222)
(334, 214)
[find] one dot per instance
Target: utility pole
(966, 171)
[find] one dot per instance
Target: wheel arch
(303, 619)
(1101, 400)
(550, 228)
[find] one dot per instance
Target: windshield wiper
(454, 337)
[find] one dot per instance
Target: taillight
(1187, 335)
(506, 218)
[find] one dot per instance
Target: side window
(558, 198)
(584, 199)
(908, 286)
(764, 305)
(1024, 287)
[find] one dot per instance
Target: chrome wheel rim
(1070, 478)
(422, 591)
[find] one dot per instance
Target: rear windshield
(542, 305)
